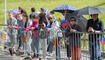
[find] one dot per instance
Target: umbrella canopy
(63, 8)
(81, 20)
(91, 10)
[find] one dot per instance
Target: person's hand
(91, 29)
(67, 43)
(73, 30)
(45, 29)
(32, 28)
(13, 26)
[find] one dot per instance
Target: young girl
(27, 38)
(12, 23)
(35, 40)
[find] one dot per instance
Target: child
(12, 23)
(35, 39)
(20, 33)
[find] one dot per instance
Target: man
(74, 38)
(95, 26)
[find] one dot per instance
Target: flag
(102, 40)
(22, 30)
(48, 26)
(64, 23)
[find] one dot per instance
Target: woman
(96, 26)
(27, 36)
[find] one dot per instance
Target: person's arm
(14, 23)
(67, 32)
(55, 26)
(79, 28)
(87, 26)
(101, 28)
(8, 22)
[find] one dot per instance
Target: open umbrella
(64, 8)
(91, 10)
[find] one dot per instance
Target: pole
(5, 12)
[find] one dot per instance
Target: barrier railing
(75, 47)
(82, 46)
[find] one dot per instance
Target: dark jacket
(74, 38)
(96, 25)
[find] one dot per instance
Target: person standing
(20, 36)
(33, 12)
(74, 38)
(95, 26)
(54, 28)
(35, 38)
(12, 23)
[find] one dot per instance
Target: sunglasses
(72, 20)
(50, 18)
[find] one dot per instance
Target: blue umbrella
(64, 8)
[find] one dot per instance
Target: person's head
(25, 17)
(52, 12)
(19, 17)
(11, 15)
(19, 8)
(42, 10)
(32, 9)
(94, 16)
(50, 17)
(72, 20)
(34, 17)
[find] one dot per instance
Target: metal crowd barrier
(77, 46)
(74, 47)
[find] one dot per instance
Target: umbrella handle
(65, 13)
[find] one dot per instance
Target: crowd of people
(42, 29)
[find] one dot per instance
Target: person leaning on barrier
(95, 25)
(74, 38)
(12, 23)
(35, 39)
(54, 29)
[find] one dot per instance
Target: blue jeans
(27, 46)
(35, 46)
(95, 49)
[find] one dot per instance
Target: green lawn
(48, 4)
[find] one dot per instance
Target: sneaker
(28, 58)
(11, 52)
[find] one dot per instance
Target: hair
(10, 13)
(93, 14)
(20, 8)
(34, 16)
(52, 12)
(33, 9)
(25, 15)
(42, 9)
(23, 11)
(73, 18)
